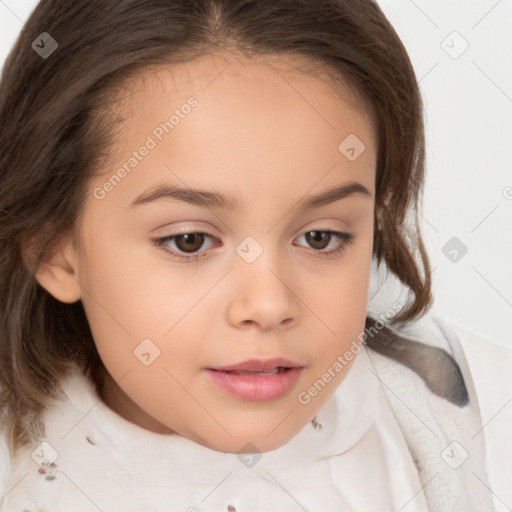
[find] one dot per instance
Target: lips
(256, 379)
(258, 366)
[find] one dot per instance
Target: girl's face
(206, 245)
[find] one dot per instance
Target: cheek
(130, 288)
(133, 311)
(341, 305)
(342, 290)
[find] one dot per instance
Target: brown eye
(186, 246)
(189, 242)
(321, 239)
(189, 247)
(318, 239)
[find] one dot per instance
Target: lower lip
(257, 387)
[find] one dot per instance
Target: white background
(468, 107)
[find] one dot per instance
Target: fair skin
(267, 136)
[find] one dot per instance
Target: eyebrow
(217, 201)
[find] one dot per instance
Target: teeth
(273, 371)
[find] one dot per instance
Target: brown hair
(56, 127)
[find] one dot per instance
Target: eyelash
(345, 240)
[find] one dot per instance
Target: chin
(254, 438)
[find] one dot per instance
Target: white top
(491, 368)
(355, 459)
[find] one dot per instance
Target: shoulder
(35, 478)
(5, 464)
(491, 369)
(486, 369)
(486, 359)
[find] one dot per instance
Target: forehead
(259, 125)
(228, 75)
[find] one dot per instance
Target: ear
(58, 270)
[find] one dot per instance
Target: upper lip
(258, 365)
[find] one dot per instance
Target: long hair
(56, 127)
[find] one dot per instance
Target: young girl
(283, 141)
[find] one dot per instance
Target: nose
(263, 295)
